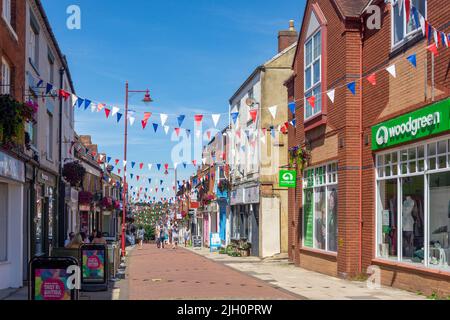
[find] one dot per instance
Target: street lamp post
(146, 99)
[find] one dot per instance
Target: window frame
(329, 179)
(407, 36)
(313, 86)
(399, 177)
(7, 14)
(5, 77)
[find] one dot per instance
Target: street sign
(288, 178)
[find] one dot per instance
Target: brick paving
(168, 274)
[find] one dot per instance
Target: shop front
(44, 222)
(412, 155)
(12, 179)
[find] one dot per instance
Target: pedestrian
(76, 242)
(141, 236)
(162, 235)
(99, 239)
(186, 236)
(175, 237)
(157, 237)
(93, 236)
(69, 240)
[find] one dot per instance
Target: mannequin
(408, 226)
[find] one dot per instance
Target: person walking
(157, 236)
(141, 236)
(162, 235)
(175, 237)
(186, 237)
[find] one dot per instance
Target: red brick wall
(389, 98)
(13, 50)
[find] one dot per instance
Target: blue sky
(192, 55)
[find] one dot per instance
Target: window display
(320, 208)
(413, 206)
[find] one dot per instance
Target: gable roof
(351, 8)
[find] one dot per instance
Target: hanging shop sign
(422, 123)
(53, 279)
(288, 178)
(251, 195)
(11, 168)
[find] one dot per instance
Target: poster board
(197, 242)
(214, 242)
(53, 279)
(94, 264)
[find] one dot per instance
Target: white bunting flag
(216, 118)
(124, 163)
(204, 161)
(175, 165)
(422, 25)
(115, 110)
(150, 166)
(163, 118)
(436, 40)
(74, 100)
(400, 6)
(132, 119)
(263, 139)
(273, 111)
(166, 129)
(94, 107)
(392, 70)
(331, 95)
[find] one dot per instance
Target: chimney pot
(287, 37)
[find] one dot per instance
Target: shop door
(222, 223)
(254, 225)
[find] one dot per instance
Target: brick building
(376, 188)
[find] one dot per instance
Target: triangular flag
(235, 116)
(166, 129)
(124, 163)
(194, 162)
(74, 100)
(144, 124)
(273, 111)
(208, 134)
(352, 87)
(198, 118)
(87, 103)
(133, 164)
(161, 182)
(181, 119)
(100, 106)
(80, 102)
(114, 111)
(158, 166)
(436, 38)
(312, 101)
(108, 159)
(372, 79)
(433, 49)
(107, 111)
(423, 25)
(412, 59)
(293, 122)
(164, 118)
(131, 175)
(141, 166)
(177, 131)
(137, 178)
(132, 119)
(49, 88)
(117, 161)
(292, 107)
(407, 10)
(166, 166)
(147, 116)
(444, 40)
(119, 116)
(254, 114)
(392, 70)
(150, 181)
(118, 170)
(155, 127)
(331, 95)
(93, 107)
(215, 118)
(150, 166)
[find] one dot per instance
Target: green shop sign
(427, 121)
(288, 178)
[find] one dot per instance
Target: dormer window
(313, 77)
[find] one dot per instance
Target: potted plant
(244, 249)
(299, 157)
(73, 173)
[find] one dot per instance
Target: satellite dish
(250, 102)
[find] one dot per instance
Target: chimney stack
(287, 37)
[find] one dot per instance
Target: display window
(413, 204)
(320, 190)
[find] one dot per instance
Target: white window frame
(313, 86)
(406, 35)
(5, 77)
(34, 47)
(6, 12)
(49, 136)
(330, 180)
(426, 173)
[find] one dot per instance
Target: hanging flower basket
(85, 197)
(299, 157)
(107, 203)
(73, 173)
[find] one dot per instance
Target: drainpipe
(61, 185)
(361, 144)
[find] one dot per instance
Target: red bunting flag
(147, 116)
(64, 94)
(433, 49)
(312, 101)
(107, 112)
(208, 134)
(117, 161)
(144, 123)
(194, 162)
(141, 166)
(156, 189)
(177, 131)
(254, 114)
(119, 170)
(372, 79)
(137, 177)
(407, 10)
(94, 153)
(284, 129)
(166, 166)
(198, 118)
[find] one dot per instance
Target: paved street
(182, 274)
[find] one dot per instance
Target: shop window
(402, 32)
(5, 80)
(313, 78)
(3, 222)
(413, 228)
(320, 208)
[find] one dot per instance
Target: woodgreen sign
(427, 121)
(288, 178)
